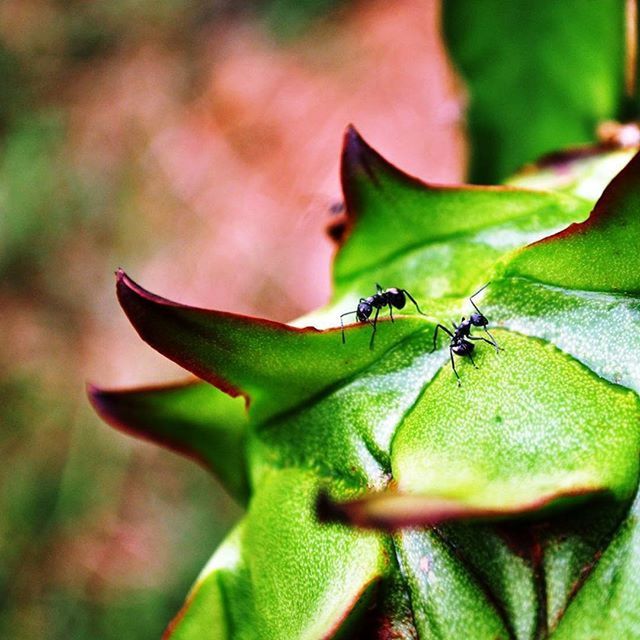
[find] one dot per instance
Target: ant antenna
(493, 340)
(480, 290)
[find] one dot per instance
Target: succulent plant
(382, 499)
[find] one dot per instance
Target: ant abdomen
(463, 348)
(396, 298)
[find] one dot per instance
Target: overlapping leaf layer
(503, 508)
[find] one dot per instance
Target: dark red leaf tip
(128, 291)
(357, 155)
(99, 399)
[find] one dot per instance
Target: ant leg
(379, 289)
(483, 340)
(406, 293)
(493, 341)
(374, 325)
(391, 312)
(472, 360)
(435, 334)
(342, 323)
(453, 365)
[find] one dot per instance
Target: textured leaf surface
(438, 242)
(279, 577)
(543, 436)
(607, 604)
(504, 417)
(193, 418)
(600, 254)
(547, 88)
(448, 600)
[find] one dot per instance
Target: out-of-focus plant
(541, 76)
(384, 500)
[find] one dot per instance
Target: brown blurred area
(196, 147)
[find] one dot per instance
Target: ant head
(363, 311)
(478, 320)
(396, 298)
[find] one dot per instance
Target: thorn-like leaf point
(599, 254)
(391, 511)
(192, 418)
(275, 366)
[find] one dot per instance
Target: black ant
(382, 298)
(461, 335)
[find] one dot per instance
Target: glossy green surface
(439, 243)
(504, 416)
(540, 76)
(540, 442)
(281, 577)
(447, 598)
(600, 254)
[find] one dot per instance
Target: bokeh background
(196, 144)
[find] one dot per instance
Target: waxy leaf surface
(283, 577)
(539, 443)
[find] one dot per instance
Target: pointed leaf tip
(191, 418)
(599, 254)
(357, 156)
(253, 357)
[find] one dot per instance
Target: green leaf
(448, 601)
(570, 547)
(437, 242)
(541, 441)
(281, 574)
(274, 365)
(599, 254)
(487, 443)
(606, 605)
(584, 172)
(347, 432)
(192, 418)
(540, 76)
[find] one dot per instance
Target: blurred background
(196, 144)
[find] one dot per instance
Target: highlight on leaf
(392, 511)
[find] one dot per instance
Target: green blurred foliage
(289, 18)
(540, 76)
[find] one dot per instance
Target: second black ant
(460, 344)
(392, 298)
